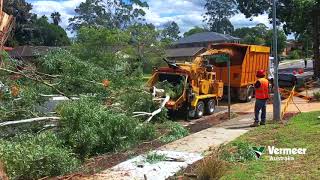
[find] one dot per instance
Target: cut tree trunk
(316, 44)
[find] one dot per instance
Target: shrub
(212, 166)
(35, 156)
(89, 128)
(238, 152)
(154, 157)
(316, 95)
(176, 131)
(295, 54)
(141, 101)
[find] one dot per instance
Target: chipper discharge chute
(191, 87)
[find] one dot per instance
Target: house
(29, 53)
(185, 49)
(204, 39)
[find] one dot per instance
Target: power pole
(276, 98)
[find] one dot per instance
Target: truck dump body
(246, 60)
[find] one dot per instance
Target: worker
(262, 95)
(305, 63)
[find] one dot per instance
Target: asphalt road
(295, 65)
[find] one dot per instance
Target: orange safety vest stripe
(263, 91)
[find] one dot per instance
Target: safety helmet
(261, 73)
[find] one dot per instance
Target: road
(288, 67)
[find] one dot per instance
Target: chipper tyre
(210, 106)
(200, 108)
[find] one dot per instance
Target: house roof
(183, 52)
(206, 37)
(29, 51)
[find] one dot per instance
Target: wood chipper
(197, 90)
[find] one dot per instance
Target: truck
(245, 61)
(200, 90)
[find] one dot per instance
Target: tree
(298, 16)
(255, 35)
(56, 18)
(282, 39)
(170, 31)
(218, 13)
(20, 9)
(111, 14)
(195, 30)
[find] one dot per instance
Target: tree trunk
(316, 43)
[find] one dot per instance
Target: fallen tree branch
(34, 79)
(8, 123)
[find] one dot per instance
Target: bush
(295, 54)
(212, 166)
(238, 152)
(316, 95)
(35, 156)
(176, 131)
(90, 129)
(141, 101)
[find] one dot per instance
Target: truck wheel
(199, 109)
(249, 94)
(210, 106)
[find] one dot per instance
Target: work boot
(262, 123)
(255, 124)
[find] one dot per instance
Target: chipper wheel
(200, 108)
(210, 106)
(198, 112)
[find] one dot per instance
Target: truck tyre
(250, 91)
(200, 107)
(210, 106)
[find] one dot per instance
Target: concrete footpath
(181, 153)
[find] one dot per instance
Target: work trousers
(260, 105)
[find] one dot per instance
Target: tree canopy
(194, 30)
(31, 30)
(110, 14)
(218, 13)
(170, 31)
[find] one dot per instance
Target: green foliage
(295, 54)
(316, 95)
(154, 157)
(218, 13)
(110, 14)
(35, 156)
(174, 91)
(56, 18)
(74, 76)
(195, 30)
(282, 38)
(175, 131)
(170, 32)
(31, 30)
(90, 129)
(238, 152)
(140, 101)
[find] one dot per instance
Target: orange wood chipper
(200, 90)
(204, 79)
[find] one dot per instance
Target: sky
(187, 13)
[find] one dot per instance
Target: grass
(303, 131)
(154, 158)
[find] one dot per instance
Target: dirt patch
(207, 122)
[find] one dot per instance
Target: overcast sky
(187, 13)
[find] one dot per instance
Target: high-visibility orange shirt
(262, 92)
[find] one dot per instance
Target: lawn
(303, 131)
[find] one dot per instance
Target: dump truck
(199, 88)
(245, 61)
